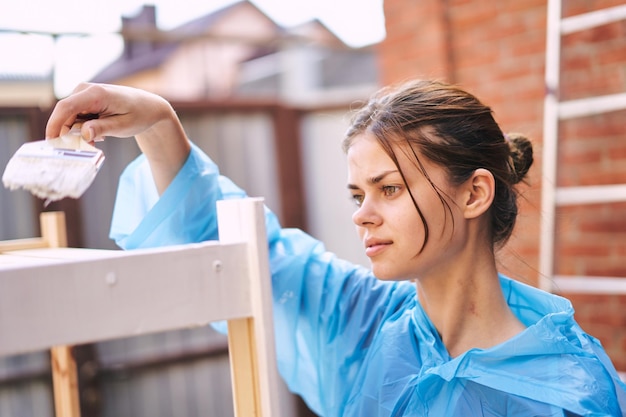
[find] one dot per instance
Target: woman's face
(388, 222)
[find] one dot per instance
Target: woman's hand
(124, 112)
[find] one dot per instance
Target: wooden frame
(67, 296)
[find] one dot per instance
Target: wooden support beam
(244, 368)
(64, 373)
(65, 382)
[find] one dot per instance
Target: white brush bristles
(53, 180)
(50, 173)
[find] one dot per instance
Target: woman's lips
(374, 247)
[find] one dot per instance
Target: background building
(238, 51)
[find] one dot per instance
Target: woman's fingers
(67, 111)
(96, 103)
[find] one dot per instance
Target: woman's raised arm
(125, 112)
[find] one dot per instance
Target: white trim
(589, 285)
(592, 105)
(550, 134)
(592, 19)
(593, 194)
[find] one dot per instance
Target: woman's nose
(366, 214)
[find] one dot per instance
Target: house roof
(124, 66)
(201, 24)
(147, 47)
(141, 53)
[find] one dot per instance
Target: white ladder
(554, 111)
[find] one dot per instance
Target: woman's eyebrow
(374, 180)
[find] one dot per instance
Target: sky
(78, 58)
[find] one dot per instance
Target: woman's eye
(390, 190)
(358, 199)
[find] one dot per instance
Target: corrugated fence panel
(27, 399)
(243, 146)
(200, 388)
(18, 212)
(29, 396)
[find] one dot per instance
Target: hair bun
(521, 155)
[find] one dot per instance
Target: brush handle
(73, 139)
(83, 117)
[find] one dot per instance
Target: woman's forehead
(365, 150)
(366, 146)
(366, 157)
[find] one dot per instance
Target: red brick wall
(496, 49)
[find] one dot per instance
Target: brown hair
(455, 130)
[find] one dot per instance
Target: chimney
(133, 30)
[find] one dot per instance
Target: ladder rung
(589, 285)
(592, 19)
(591, 194)
(592, 105)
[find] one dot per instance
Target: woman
(433, 329)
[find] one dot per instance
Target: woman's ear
(480, 190)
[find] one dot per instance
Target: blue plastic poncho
(354, 346)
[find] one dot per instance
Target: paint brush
(53, 169)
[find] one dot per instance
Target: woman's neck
(467, 307)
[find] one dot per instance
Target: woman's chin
(384, 274)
